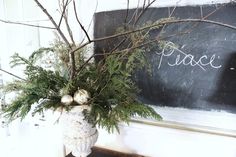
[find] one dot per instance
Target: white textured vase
(78, 135)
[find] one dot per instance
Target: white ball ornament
(81, 96)
(66, 99)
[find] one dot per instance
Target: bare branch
(135, 13)
(90, 23)
(63, 12)
(170, 14)
(30, 21)
(154, 25)
(9, 73)
(218, 8)
(25, 24)
(205, 17)
(136, 16)
(118, 45)
(81, 26)
(143, 11)
(65, 16)
(128, 49)
(127, 12)
(72, 55)
(69, 29)
(53, 22)
(73, 66)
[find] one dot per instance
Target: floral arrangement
(60, 76)
(103, 80)
(106, 86)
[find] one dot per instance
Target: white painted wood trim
(211, 122)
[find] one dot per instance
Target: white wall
(23, 139)
(144, 139)
(16, 38)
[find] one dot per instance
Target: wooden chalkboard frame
(199, 123)
(169, 121)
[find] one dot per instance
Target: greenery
(64, 68)
(109, 82)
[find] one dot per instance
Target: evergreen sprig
(40, 84)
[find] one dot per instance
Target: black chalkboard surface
(198, 74)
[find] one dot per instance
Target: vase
(79, 136)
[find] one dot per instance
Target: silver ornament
(66, 99)
(81, 96)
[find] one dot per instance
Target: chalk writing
(186, 59)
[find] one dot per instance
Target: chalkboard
(198, 74)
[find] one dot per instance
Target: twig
(25, 24)
(128, 49)
(53, 22)
(12, 74)
(170, 14)
(81, 26)
(154, 25)
(143, 10)
(69, 30)
(214, 11)
(72, 55)
(65, 17)
(90, 23)
(151, 41)
(73, 66)
(135, 22)
(118, 45)
(63, 12)
(135, 13)
(203, 18)
(127, 13)
(125, 28)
